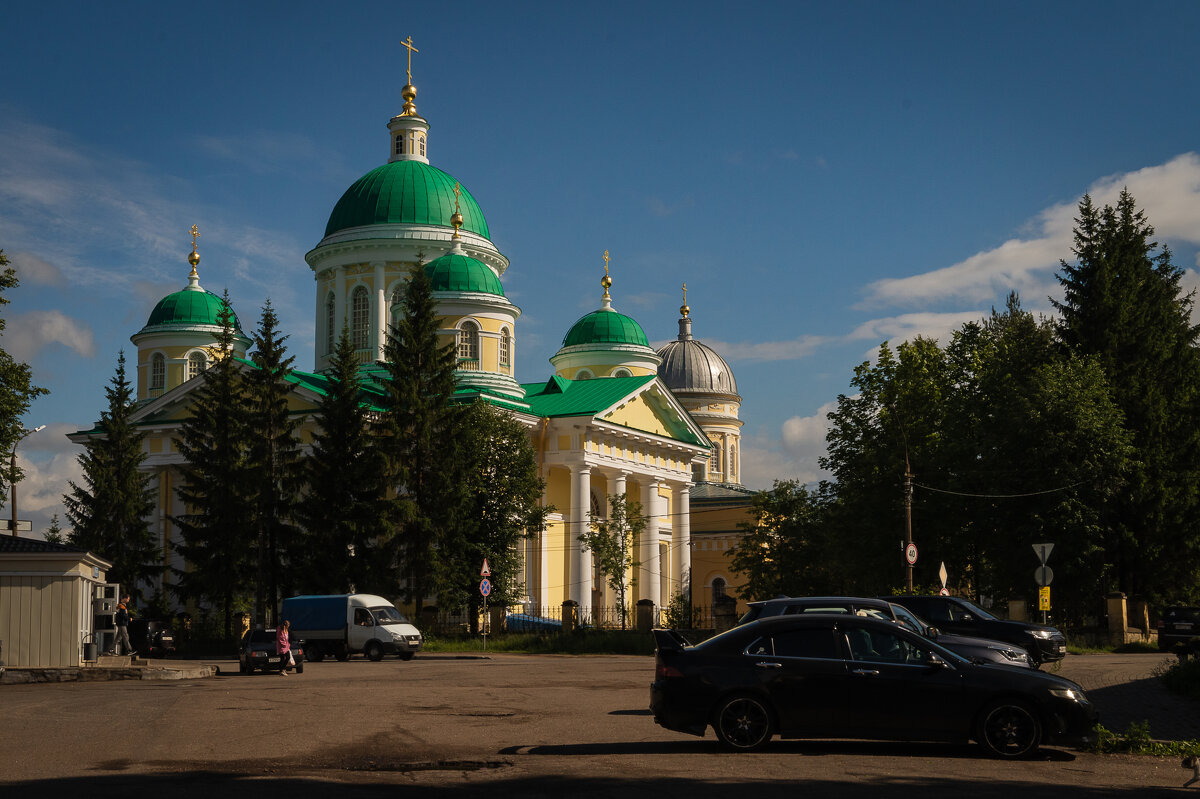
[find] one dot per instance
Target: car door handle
(768, 665)
(867, 672)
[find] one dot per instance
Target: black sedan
(839, 676)
(1177, 628)
(951, 614)
(258, 652)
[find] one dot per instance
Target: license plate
(1183, 625)
(1062, 650)
(272, 660)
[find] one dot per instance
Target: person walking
(121, 645)
(283, 646)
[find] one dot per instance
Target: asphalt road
(508, 725)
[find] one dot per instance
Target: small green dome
(405, 192)
(191, 306)
(605, 327)
(454, 272)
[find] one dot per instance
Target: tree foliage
(613, 542)
(17, 390)
(784, 549)
(109, 513)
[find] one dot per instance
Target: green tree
(217, 526)
(273, 459)
(1124, 306)
(109, 512)
(54, 533)
(503, 491)
(612, 542)
(784, 549)
(344, 490)
(420, 440)
(17, 390)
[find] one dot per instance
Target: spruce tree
(54, 533)
(1123, 305)
(419, 439)
(273, 460)
(342, 504)
(218, 523)
(110, 512)
(16, 387)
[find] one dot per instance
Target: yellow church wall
(558, 490)
(640, 416)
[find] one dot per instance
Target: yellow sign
(1044, 598)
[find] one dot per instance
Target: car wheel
(342, 655)
(299, 666)
(314, 653)
(373, 650)
(743, 723)
(243, 668)
(1010, 729)
(407, 655)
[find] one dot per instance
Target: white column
(339, 301)
(321, 318)
(380, 309)
(651, 571)
(681, 535)
(581, 559)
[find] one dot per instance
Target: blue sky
(823, 176)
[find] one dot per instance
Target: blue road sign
(485, 586)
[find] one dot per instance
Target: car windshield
(909, 620)
(388, 615)
(1182, 614)
(975, 610)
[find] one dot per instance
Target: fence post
(645, 615)
(1115, 604)
(724, 613)
(570, 615)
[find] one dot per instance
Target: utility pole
(908, 495)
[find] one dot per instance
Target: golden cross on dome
(685, 293)
(195, 231)
(457, 192)
(411, 50)
(606, 263)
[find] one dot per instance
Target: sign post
(485, 588)
(1043, 576)
(942, 575)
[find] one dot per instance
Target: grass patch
(1137, 741)
(587, 642)
(1080, 646)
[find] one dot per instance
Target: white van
(341, 624)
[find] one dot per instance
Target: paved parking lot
(508, 725)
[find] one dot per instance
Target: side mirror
(934, 661)
(967, 617)
(932, 632)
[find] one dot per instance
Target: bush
(1183, 678)
(1137, 741)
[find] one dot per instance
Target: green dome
(605, 327)
(454, 272)
(405, 192)
(192, 306)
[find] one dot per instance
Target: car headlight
(1014, 655)
(1043, 634)
(1070, 694)
(397, 637)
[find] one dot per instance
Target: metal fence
(549, 619)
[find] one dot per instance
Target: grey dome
(689, 366)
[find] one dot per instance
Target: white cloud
(31, 269)
(906, 327)
(40, 492)
(793, 455)
(746, 351)
(1169, 194)
(27, 334)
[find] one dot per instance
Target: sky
(823, 176)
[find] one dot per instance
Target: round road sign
(910, 554)
(1043, 575)
(485, 586)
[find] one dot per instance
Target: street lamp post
(12, 473)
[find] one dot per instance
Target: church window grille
(718, 589)
(400, 145)
(583, 374)
(622, 372)
(421, 145)
(698, 472)
(360, 318)
(505, 348)
(716, 458)
(398, 305)
(158, 372)
(197, 363)
(468, 341)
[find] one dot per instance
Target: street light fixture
(12, 473)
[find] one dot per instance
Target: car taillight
(1161, 624)
(662, 671)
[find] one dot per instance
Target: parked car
(844, 676)
(970, 647)
(951, 614)
(1177, 627)
(152, 638)
(258, 652)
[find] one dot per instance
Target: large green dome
(410, 192)
(605, 327)
(190, 306)
(455, 272)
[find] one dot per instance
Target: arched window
(732, 459)
(718, 588)
(398, 303)
(505, 348)
(622, 372)
(421, 144)
(400, 144)
(583, 374)
(197, 363)
(468, 341)
(716, 456)
(330, 323)
(158, 372)
(360, 316)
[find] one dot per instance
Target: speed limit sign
(910, 554)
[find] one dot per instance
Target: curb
(25, 676)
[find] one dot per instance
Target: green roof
(191, 306)
(605, 327)
(454, 272)
(405, 192)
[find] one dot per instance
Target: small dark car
(840, 676)
(972, 648)
(258, 652)
(951, 614)
(152, 638)
(1177, 627)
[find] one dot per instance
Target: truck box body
(340, 624)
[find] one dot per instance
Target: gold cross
(411, 50)
(195, 231)
(606, 263)
(685, 293)
(457, 192)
